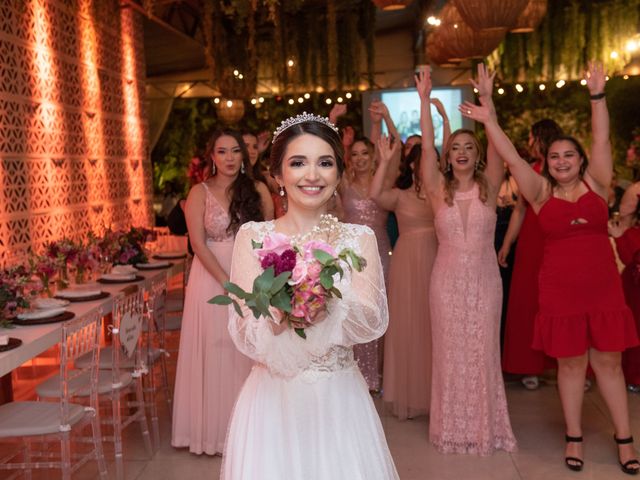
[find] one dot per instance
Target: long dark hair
(544, 132)
(245, 203)
(318, 129)
(256, 171)
(410, 176)
(451, 182)
(579, 149)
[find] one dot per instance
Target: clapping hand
(596, 78)
(423, 84)
(387, 149)
(263, 141)
(378, 111)
(484, 82)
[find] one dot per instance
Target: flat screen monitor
(404, 108)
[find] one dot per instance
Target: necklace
(565, 192)
(327, 226)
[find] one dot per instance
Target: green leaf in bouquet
(279, 282)
(235, 289)
(237, 308)
(255, 244)
(282, 301)
(263, 282)
(336, 292)
(323, 257)
(300, 332)
(326, 279)
(221, 300)
(262, 304)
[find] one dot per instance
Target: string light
(291, 101)
(606, 78)
(583, 82)
(475, 90)
(560, 83)
(236, 73)
(433, 21)
(501, 91)
(300, 99)
(261, 99)
(626, 77)
(519, 88)
(253, 101)
(290, 63)
(614, 55)
(240, 76)
(307, 96)
(348, 95)
(229, 104)
(339, 99)
(328, 101)
(216, 101)
(542, 86)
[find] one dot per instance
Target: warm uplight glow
(542, 86)
(519, 88)
(319, 89)
(560, 83)
(632, 45)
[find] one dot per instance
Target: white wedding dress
(305, 412)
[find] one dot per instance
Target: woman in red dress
(582, 315)
(518, 356)
(626, 232)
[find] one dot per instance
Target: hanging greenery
(573, 32)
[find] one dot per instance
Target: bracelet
(597, 96)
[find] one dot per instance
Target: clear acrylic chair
(41, 423)
(122, 368)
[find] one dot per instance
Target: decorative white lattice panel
(73, 133)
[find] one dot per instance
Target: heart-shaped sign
(130, 327)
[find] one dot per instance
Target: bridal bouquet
(298, 280)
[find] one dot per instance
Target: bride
(305, 411)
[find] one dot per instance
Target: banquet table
(39, 338)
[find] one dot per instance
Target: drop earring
(242, 167)
(213, 168)
(476, 166)
(281, 191)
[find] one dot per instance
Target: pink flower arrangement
(298, 281)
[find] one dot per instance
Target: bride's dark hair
(317, 129)
(246, 204)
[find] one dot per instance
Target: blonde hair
(450, 181)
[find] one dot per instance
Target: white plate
(123, 270)
(72, 293)
(38, 314)
(142, 266)
(173, 254)
(47, 303)
(118, 276)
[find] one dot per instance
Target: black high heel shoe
(625, 467)
(573, 463)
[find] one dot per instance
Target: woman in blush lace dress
(210, 370)
(360, 209)
(468, 403)
(305, 411)
(407, 349)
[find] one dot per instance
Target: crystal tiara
(303, 117)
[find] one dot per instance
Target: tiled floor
(537, 422)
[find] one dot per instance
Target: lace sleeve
(359, 317)
(367, 315)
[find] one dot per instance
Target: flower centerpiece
(297, 278)
(45, 268)
(17, 288)
(62, 252)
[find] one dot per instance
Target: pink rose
(313, 271)
(299, 273)
(312, 245)
(274, 243)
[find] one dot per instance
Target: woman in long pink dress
(407, 352)
(468, 402)
(210, 369)
(359, 208)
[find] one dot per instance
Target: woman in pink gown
(468, 402)
(210, 369)
(360, 209)
(407, 352)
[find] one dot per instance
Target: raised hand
(439, 106)
(338, 110)
(376, 111)
(479, 113)
(596, 78)
(484, 82)
(348, 136)
(423, 84)
(387, 149)
(263, 141)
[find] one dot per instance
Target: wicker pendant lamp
(462, 41)
(490, 14)
(531, 17)
(437, 52)
(389, 5)
(230, 111)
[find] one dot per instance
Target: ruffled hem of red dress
(573, 335)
